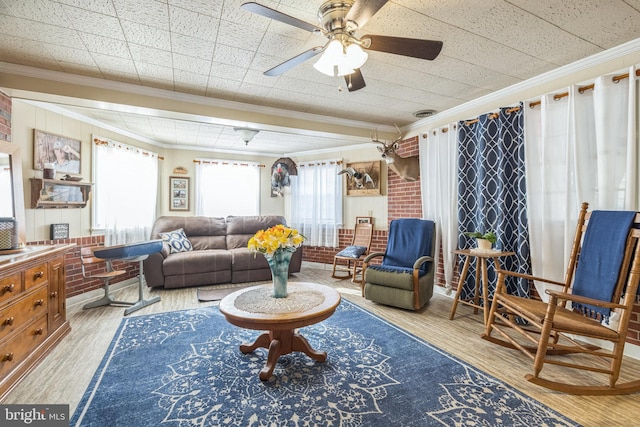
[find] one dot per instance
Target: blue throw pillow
(177, 241)
(352, 251)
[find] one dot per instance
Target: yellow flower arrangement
(275, 239)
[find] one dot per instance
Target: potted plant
(484, 241)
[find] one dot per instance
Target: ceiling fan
(344, 53)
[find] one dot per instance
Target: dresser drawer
(36, 276)
(17, 315)
(10, 286)
(16, 349)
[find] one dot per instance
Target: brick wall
(5, 117)
(76, 284)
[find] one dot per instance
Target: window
(125, 194)
(227, 187)
(316, 205)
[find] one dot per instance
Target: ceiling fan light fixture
(246, 134)
(338, 61)
(355, 56)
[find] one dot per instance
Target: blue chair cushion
(177, 241)
(409, 239)
(352, 252)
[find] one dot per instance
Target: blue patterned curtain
(492, 193)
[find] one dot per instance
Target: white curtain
(227, 187)
(579, 147)
(126, 191)
(316, 203)
(439, 193)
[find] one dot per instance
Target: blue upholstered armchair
(405, 277)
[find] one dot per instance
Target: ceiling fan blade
(354, 81)
(363, 10)
(298, 59)
(415, 48)
(267, 12)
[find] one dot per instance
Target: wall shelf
(54, 193)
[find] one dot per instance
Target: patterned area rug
(184, 369)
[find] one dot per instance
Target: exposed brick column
(5, 117)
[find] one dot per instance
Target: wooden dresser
(32, 309)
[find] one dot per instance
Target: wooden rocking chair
(601, 283)
(348, 262)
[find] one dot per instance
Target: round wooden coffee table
(255, 308)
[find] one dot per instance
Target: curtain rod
(339, 162)
(492, 116)
(222, 162)
(98, 141)
(583, 89)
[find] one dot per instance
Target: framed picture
(178, 193)
(364, 220)
(59, 231)
(62, 152)
(363, 178)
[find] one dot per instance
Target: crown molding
(497, 98)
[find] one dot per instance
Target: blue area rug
(184, 369)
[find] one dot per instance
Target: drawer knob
(39, 302)
(38, 331)
(54, 294)
(8, 321)
(39, 275)
(9, 288)
(8, 357)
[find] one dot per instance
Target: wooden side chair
(348, 262)
(594, 306)
(90, 263)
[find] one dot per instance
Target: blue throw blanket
(409, 239)
(600, 258)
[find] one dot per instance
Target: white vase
(483, 244)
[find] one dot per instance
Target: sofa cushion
(176, 241)
(241, 228)
(193, 262)
(203, 232)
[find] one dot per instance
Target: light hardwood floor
(63, 376)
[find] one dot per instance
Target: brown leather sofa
(219, 252)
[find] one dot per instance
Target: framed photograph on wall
(178, 193)
(364, 220)
(363, 178)
(62, 152)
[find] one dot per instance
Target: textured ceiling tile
(106, 45)
(75, 56)
(43, 32)
(94, 23)
(47, 12)
(229, 72)
(616, 20)
(22, 46)
(233, 55)
(205, 7)
(150, 55)
(193, 79)
(191, 46)
(146, 35)
(154, 72)
(111, 64)
(189, 23)
(146, 12)
(237, 35)
(191, 64)
(104, 7)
